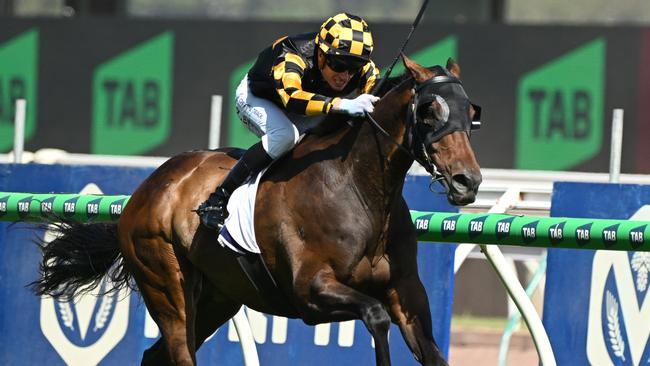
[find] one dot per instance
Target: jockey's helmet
(345, 35)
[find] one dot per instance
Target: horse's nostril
(466, 182)
(461, 182)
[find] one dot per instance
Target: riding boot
(213, 211)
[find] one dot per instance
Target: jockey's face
(337, 79)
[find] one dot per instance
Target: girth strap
(260, 277)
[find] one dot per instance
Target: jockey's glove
(358, 106)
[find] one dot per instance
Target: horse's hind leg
(334, 299)
(170, 286)
(211, 313)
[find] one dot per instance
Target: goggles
(342, 64)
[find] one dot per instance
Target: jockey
(291, 87)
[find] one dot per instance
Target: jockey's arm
(287, 74)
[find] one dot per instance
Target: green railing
(547, 232)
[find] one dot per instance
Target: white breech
(270, 122)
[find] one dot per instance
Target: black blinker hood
(450, 88)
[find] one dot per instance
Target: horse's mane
(394, 81)
(391, 83)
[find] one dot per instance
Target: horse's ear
(419, 73)
(453, 67)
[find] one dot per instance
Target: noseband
(416, 143)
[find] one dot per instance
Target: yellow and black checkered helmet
(346, 35)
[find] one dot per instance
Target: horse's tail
(79, 258)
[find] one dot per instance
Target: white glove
(358, 106)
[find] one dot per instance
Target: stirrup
(213, 211)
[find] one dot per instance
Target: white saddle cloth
(238, 232)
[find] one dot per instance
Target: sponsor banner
(596, 305)
(109, 330)
(18, 80)
(132, 99)
(130, 86)
(560, 110)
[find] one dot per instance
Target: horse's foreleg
(170, 287)
(335, 300)
(409, 307)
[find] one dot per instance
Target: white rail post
(246, 340)
(616, 146)
(19, 130)
(508, 199)
(215, 122)
(524, 304)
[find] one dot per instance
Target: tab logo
(92, 208)
(3, 205)
(636, 236)
(132, 98)
(560, 110)
(503, 227)
(556, 233)
(583, 234)
(115, 209)
(23, 207)
(18, 80)
(609, 235)
(70, 207)
(529, 232)
(422, 224)
(449, 225)
(476, 226)
(47, 206)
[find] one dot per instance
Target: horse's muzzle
(464, 187)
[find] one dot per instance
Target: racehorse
(333, 228)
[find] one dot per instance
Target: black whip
(390, 69)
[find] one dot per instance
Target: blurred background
(481, 11)
(136, 77)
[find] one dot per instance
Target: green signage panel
(560, 110)
(132, 99)
(18, 80)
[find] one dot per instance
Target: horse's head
(443, 118)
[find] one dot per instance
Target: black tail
(79, 258)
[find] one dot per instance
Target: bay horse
(333, 228)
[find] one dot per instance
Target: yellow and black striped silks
(347, 35)
(287, 73)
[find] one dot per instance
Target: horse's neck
(378, 164)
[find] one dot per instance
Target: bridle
(415, 142)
